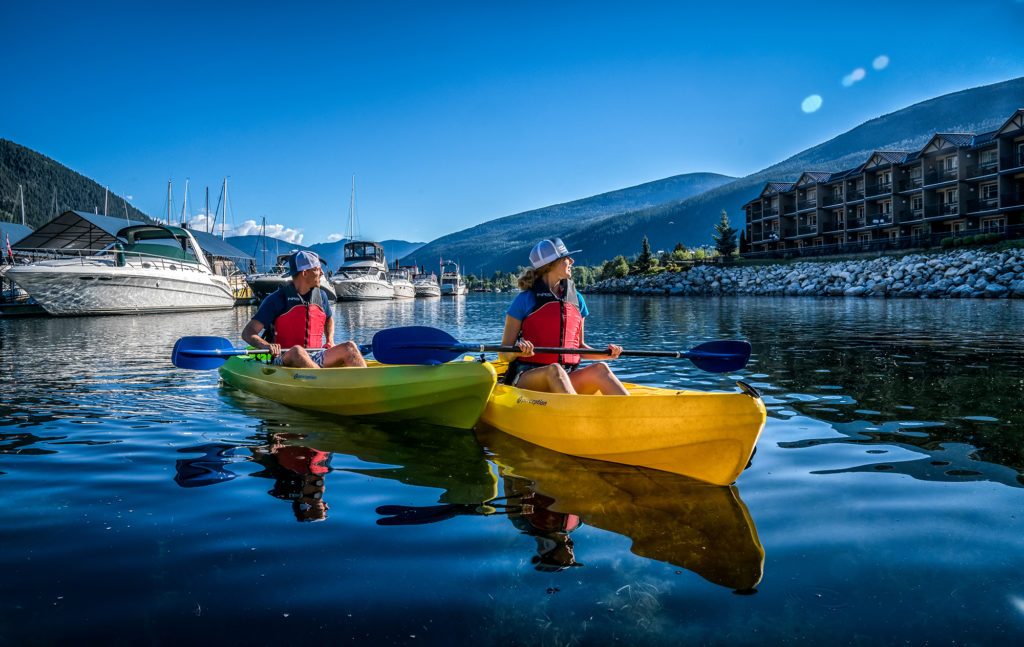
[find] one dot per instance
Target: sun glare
(811, 103)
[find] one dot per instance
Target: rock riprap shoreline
(956, 274)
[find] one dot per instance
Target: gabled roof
(881, 158)
(1016, 122)
(812, 177)
(942, 141)
(773, 188)
(76, 230)
(214, 246)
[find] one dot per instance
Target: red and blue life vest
(554, 321)
(301, 322)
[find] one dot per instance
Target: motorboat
(426, 284)
(401, 281)
(159, 268)
(363, 274)
(451, 281)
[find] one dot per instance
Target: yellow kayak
(452, 394)
(709, 436)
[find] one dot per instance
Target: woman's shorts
(517, 367)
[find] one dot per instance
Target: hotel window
(951, 196)
(837, 191)
(994, 224)
(894, 234)
(885, 177)
(950, 163)
(915, 172)
(887, 207)
(989, 192)
(916, 203)
(989, 158)
(959, 227)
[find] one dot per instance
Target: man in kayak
(296, 317)
(550, 313)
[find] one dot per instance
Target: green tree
(620, 266)
(725, 236)
(643, 261)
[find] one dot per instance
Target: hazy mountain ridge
(498, 243)
(690, 220)
(332, 253)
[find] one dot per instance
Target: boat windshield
(398, 274)
(359, 251)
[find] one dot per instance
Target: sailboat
(363, 273)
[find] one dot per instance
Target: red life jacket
(554, 321)
(302, 322)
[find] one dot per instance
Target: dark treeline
(50, 189)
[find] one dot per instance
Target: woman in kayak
(550, 313)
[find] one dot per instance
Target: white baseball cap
(549, 250)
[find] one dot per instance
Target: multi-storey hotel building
(959, 184)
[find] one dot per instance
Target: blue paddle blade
(414, 345)
(720, 356)
(194, 352)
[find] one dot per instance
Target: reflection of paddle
(405, 515)
(203, 353)
(425, 345)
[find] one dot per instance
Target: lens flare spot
(880, 62)
(811, 103)
(854, 76)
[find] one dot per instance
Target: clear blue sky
(450, 114)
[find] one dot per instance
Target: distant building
(959, 184)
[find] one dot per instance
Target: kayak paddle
(203, 353)
(425, 345)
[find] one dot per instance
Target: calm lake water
(144, 504)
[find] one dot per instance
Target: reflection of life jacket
(554, 321)
(303, 460)
(302, 322)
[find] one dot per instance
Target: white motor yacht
(363, 274)
(426, 284)
(401, 281)
(159, 269)
(451, 281)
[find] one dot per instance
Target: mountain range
(266, 253)
(612, 228)
(679, 209)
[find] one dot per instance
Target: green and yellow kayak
(708, 436)
(452, 394)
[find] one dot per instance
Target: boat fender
(749, 390)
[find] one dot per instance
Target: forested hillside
(50, 188)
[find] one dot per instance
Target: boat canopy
(359, 250)
(75, 230)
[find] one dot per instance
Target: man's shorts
(317, 357)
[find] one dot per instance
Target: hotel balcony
(882, 188)
(939, 176)
(911, 183)
(982, 204)
(981, 170)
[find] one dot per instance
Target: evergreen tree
(643, 262)
(725, 236)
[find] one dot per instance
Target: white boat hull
(98, 286)
(363, 289)
(427, 290)
(404, 289)
(449, 290)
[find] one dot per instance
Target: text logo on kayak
(523, 400)
(303, 376)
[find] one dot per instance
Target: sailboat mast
(352, 211)
(106, 192)
(224, 217)
(184, 204)
(207, 212)
(168, 202)
(21, 196)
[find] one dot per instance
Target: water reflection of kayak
(700, 527)
(421, 455)
(704, 435)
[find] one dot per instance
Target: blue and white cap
(301, 261)
(549, 250)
